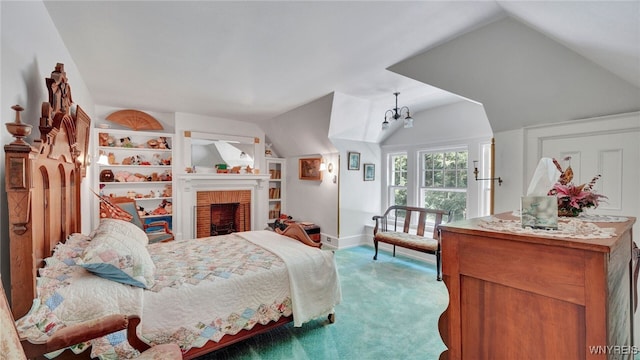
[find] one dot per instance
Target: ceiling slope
(522, 77)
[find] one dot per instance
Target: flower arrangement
(573, 199)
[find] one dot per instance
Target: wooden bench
(393, 227)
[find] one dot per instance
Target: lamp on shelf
(103, 159)
(397, 113)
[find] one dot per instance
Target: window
(398, 179)
(443, 181)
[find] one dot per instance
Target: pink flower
(576, 197)
(571, 197)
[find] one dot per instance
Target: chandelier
(397, 113)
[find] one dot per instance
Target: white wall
(449, 123)
(510, 167)
(30, 47)
(314, 201)
(303, 132)
(359, 199)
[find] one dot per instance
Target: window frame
(391, 171)
(421, 187)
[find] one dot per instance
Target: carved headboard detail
(43, 185)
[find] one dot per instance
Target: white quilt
(313, 275)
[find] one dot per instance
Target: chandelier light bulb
(397, 113)
(408, 122)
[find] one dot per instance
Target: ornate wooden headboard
(43, 185)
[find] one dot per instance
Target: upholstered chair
(129, 205)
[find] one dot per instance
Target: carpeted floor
(390, 310)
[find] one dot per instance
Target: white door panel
(609, 146)
(614, 156)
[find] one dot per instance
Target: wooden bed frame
(43, 185)
(43, 193)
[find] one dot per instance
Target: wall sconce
(323, 165)
(475, 172)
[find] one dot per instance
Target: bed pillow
(123, 228)
(115, 257)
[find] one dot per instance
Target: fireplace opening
(223, 218)
(222, 212)
(227, 218)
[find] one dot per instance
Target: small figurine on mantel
(248, 170)
(221, 169)
(268, 151)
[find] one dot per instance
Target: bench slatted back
(422, 217)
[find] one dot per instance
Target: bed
(203, 294)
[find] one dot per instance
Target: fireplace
(199, 191)
(227, 218)
(222, 212)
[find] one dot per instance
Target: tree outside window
(398, 179)
(444, 181)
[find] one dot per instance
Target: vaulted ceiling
(253, 61)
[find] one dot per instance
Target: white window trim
(389, 178)
(421, 188)
(474, 189)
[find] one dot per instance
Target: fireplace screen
(222, 218)
(222, 212)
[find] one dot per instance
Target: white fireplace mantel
(190, 184)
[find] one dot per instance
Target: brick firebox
(204, 199)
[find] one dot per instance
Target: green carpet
(389, 310)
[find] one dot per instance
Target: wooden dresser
(530, 296)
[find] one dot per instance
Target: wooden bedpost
(42, 182)
(18, 172)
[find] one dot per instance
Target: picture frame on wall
(354, 161)
(309, 169)
(369, 172)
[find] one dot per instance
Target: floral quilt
(68, 294)
(194, 298)
(207, 288)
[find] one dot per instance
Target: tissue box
(539, 212)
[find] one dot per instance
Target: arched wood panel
(43, 228)
(64, 226)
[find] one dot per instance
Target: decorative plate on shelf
(135, 119)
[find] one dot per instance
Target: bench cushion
(411, 241)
